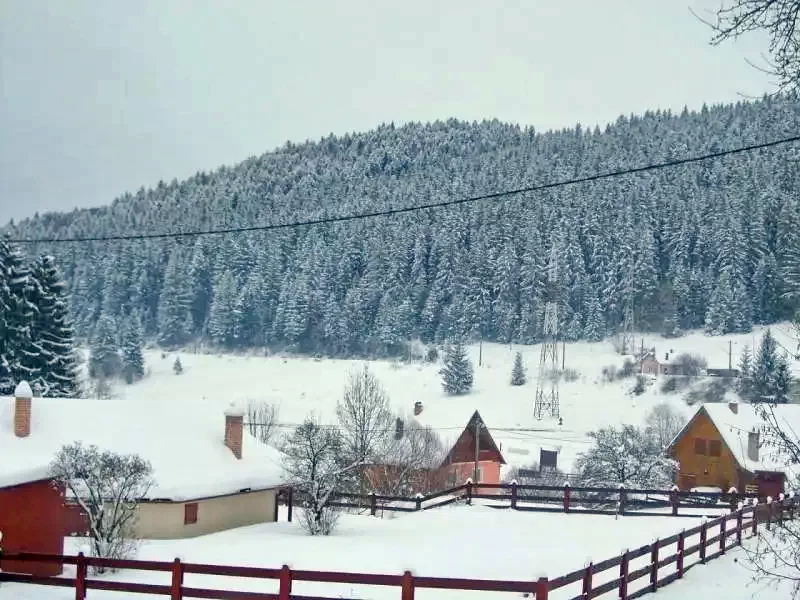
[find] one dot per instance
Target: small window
(699, 446)
(714, 447)
(190, 513)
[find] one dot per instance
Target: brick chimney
(22, 409)
(734, 406)
(417, 408)
(234, 429)
(752, 446)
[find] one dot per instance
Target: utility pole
(480, 352)
(478, 425)
(563, 354)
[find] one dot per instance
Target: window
(699, 446)
(190, 513)
(714, 447)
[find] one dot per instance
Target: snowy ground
(299, 385)
(458, 541)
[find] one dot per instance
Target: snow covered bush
(690, 365)
(106, 486)
(625, 455)
(312, 461)
(177, 366)
(640, 386)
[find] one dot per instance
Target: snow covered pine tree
(457, 370)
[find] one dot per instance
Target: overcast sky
(101, 97)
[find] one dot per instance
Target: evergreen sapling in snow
(457, 371)
(518, 376)
(177, 366)
(132, 358)
(104, 361)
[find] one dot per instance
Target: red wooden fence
(715, 538)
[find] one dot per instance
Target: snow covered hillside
(300, 385)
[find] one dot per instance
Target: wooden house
(649, 365)
(474, 447)
(722, 446)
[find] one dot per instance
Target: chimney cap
(234, 410)
(23, 390)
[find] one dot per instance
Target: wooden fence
(543, 498)
(632, 574)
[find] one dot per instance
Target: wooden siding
(32, 519)
(702, 469)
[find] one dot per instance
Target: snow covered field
(457, 541)
(299, 385)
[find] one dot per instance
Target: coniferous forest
(712, 245)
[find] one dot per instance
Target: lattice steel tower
(547, 400)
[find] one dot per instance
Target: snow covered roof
(182, 440)
(734, 428)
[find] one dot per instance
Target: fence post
(755, 516)
(791, 504)
(703, 538)
(542, 588)
(176, 589)
(781, 498)
(407, 590)
(681, 546)
(80, 578)
(769, 513)
(469, 490)
(285, 583)
(418, 501)
(567, 494)
(514, 494)
(622, 498)
(289, 498)
(654, 566)
(587, 581)
(723, 533)
(674, 499)
(739, 518)
(734, 498)
(623, 576)
(373, 504)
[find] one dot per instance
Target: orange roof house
(459, 464)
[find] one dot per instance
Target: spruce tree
(18, 354)
(132, 357)
(175, 303)
(177, 366)
(518, 375)
(104, 360)
(783, 381)
(744, 386)
(766, 368)
(457, 370)
(56, 370)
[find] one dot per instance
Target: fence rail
(626, 575)
(547, 498)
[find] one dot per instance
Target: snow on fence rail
(544, 498)
(632, 574)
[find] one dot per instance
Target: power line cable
(416, 208)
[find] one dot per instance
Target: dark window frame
(190, 510)
(715, 448)
(700, 447)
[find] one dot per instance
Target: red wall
(32, 520)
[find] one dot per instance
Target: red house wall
(32, 520)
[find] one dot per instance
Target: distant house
(458, 465)
(209, 473)
(648, 365)
(722, 446)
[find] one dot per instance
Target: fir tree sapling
(771, 379)
(518, 375)
(104, 360)
(177, 366)
(744, 383)
(457, 374)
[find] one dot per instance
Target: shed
(32, 519)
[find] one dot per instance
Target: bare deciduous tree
(261, 420)
(778, 19)
(409, 465)
(107, 487)
(365, 421)
(664, 422)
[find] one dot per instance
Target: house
(460, 462)
(722, 446)
(457, 466)
(649, 365)
(209, 474)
